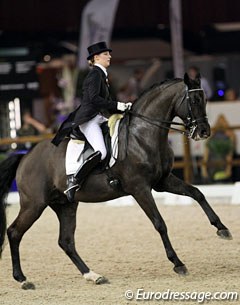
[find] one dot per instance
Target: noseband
(190, 123)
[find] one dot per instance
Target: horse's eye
(195, 100)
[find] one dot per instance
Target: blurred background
(43, 63)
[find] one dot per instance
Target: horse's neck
(160, 102)
(153, 108)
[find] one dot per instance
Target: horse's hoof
(224, 234)
(27, 285)
(181, 270)
(96, 278)
(102, 280)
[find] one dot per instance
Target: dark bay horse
(144, 163)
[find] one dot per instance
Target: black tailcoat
(96, 99)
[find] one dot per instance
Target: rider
(89, 115)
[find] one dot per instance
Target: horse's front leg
(144, 198)
(175, 185)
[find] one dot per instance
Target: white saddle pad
(74, 155)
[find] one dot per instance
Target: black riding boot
(75, 181)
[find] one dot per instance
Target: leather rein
(191, 122)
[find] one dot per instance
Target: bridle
(190, 123)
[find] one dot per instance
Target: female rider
(89, 115)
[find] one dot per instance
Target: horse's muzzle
(201, 131)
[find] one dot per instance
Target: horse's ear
(198, 79)
(198, 76)
(186, 79)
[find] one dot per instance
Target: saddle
(110, 135)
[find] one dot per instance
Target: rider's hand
(129, 105)
(124, 106)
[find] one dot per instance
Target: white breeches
(93, 133)
(72, 161)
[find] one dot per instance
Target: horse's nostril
(204, 133)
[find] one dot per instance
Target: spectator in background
(133, 86)
(192, 72)
(139, 81)
(123, 94)
(68, 83)
(30, 127)
(230, 95)
(218, 153)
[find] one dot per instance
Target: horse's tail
(8, 169)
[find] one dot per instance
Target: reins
(158, 123)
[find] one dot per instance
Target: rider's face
(103, 59)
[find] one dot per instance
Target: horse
(144, 163)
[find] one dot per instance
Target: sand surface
(121, 244)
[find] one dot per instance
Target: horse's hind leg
(147, 203)
(66, 214)
(175, 185)
(28, 214)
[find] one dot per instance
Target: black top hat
(97, 48)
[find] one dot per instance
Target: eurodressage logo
(200, 297)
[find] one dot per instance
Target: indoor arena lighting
(13, 133)
(14, 117)
(12, 124)
(11, 106)
(17, 112)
